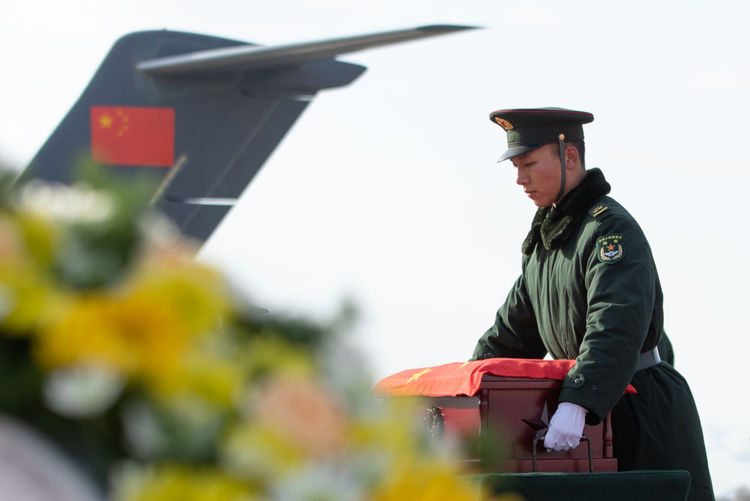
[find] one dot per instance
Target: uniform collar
(553, 225)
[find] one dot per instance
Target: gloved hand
(565, 427)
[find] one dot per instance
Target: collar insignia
(553, 228)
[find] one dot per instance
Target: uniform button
(578, 380)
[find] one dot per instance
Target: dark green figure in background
(589, 291)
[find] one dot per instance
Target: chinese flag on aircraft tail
(127, 135)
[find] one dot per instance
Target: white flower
(66, 203)
(82, 391)
(142, 431)
(318, 482)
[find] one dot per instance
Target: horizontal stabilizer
(254, 57)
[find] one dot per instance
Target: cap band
(530, 136)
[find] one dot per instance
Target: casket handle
(540, 438)
(434, 423)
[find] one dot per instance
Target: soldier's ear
(571, 156)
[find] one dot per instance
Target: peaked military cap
(529, 129)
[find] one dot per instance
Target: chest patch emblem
(610, 248)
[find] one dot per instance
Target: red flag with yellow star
(464, 378)
(129, 135)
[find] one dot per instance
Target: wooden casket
(500, 408)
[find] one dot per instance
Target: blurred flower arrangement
(161, 384)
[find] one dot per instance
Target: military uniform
(589, 291)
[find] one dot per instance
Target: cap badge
(610, 248)
(504, 123)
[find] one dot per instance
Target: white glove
(565, 427)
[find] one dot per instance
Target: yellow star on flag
(105, 121)
(419, 375)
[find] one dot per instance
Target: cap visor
(517, 150)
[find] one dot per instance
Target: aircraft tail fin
(200, 113)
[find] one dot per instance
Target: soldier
(589, 291)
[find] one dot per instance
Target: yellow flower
(268, 355)
(40, 238)
(259, 452)
(25, 297)
(425, 481)
(181, 483)
(26, 292)
(148, 330)
(135, 334)
(219, 380)
(196, 291)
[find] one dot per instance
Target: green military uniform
(589, 291)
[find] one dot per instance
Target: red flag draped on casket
(464, 378)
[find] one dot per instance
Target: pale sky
(387, 191)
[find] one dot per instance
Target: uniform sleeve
(515, 333)
(620, 280)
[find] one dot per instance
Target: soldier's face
(538, 171)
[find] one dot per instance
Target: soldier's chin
(539, 202)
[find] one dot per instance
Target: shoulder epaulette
(598, 210)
